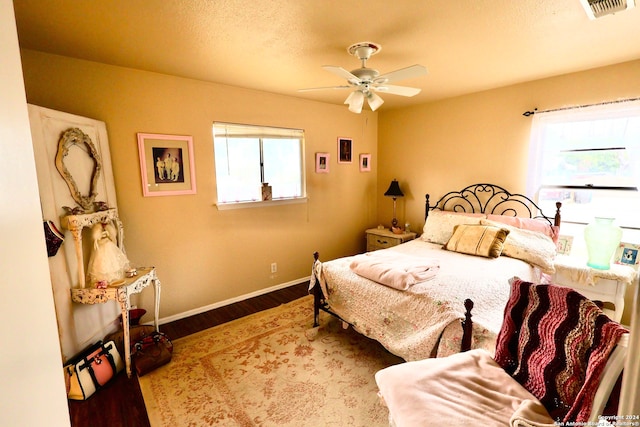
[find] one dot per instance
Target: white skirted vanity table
(607, 286)
(118, 290)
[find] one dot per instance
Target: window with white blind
(588, 158)
(249, 157)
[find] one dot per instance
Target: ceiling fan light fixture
(355, 101)
(374, 101)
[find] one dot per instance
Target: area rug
(270, 369)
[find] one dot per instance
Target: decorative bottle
(602, 237)
(266, 191)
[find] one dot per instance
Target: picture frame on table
(322, 162)
(345, 150)
(563, 246)
(627, 254)
(365, 162)
(167, 164)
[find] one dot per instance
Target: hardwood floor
(120, 402)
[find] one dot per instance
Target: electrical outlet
(274, 267)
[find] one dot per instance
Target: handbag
(92, 369)
(136, 333)
(53, 238)
(151, 352)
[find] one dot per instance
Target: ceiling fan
(367, 81)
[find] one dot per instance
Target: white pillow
(527, 245)
(439, 225)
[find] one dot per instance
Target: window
(246, 157)
(589, 159)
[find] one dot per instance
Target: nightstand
(385, 238)
(597, 285)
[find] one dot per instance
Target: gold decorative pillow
(482, 240)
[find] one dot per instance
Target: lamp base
(397, 230)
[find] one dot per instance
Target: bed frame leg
(317, 293)
(316, 306)
(467, 326)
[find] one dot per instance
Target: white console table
(120, 290)
(598, 285)
(122, 294)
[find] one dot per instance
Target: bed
(421, 315)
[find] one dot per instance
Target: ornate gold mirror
(77, 152)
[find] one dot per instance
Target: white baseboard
(199, 310)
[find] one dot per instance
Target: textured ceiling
(279, 46)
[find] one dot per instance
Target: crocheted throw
(556, 342)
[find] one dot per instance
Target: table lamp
(394, 192)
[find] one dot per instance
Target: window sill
(260, 203)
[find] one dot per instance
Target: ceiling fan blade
(323, 88)
(341, 72)
(397, 90)
(403, 73)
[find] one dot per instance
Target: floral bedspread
(424, 321)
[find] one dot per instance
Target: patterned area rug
(270, 369)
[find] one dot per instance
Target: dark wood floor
(120, 402)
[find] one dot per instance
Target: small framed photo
(563, 247)
(345, 150)
(627, 254)
(322, 162)
(166, 164)
(365, 162)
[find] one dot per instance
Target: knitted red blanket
(556, 342)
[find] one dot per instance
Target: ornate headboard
(490, 199)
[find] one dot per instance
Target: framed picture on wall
(345, 150)
(365, 162)
(166, 164)
(627, 254)
(322, 162)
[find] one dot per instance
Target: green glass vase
(602, 237)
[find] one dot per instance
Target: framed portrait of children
(166, 164)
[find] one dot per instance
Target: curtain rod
(535, 110)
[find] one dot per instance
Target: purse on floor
(151, 352)
(92, 369)
(136, 333)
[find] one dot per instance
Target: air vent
(599, 8)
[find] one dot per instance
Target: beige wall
(482, 137)
(204, 256)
